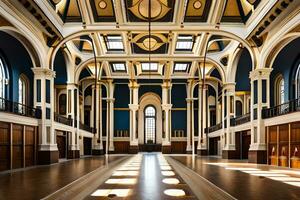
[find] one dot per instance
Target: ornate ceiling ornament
(150, 43)
(158, 10)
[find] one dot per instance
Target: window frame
(181, 40)
(145, 124)
(118, 70)
(187, 67)
(150, 70)
(107, 41)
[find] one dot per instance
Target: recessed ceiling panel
(197, 10)
(160, 11)
(103, 10)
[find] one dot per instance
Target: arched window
(297, 79)
(279, 90)
(150, 124)
(3, 79)
(23, 89)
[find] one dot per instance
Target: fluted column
(98, 146)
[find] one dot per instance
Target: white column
(133, 107)
(166, 107)
(71, 87)
(44, 100)
(111, 124)
(188, 127)
(202, 118)
(98, 136)
(257, 125)
(229, 95)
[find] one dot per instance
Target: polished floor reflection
(40, 181)
(145, 176)
(246, 181)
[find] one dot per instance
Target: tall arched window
(297, 78)
(2, 79)
(279, 90)
(23, 89)
(150, 124)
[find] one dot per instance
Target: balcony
(19, 109)
(63, 120)
(288, 107)
(86, 128)
(241, 120)
(213, 128)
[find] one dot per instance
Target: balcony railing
(288, 107)
(19, 109)
(213, 128)
(87, 128)
(63, 120)
(241, 119)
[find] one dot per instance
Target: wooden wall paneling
(23, 146)
(277, 145)
(29, 146)
(11, 145)
(289, 145)
(283, 145)
(17, 146)
(295, 145)
(268, 144)
(121, 147)
(272, 143)
(4, 146)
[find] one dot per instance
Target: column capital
(133, 84)
(110, 100)
(260, 73)
(166, 107)
(133, 107)
(44, 72)
(166, 84)
(189, 100)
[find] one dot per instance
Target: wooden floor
(237, 178)
(246, 181)
(38, 182)
(146, 172)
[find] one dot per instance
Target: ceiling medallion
(150, 43)
(102, 4)
(197, 4)
(158, 9)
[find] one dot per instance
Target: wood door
(4, 146)
(61, 145)
(29, 146)
(87, 146)
(17, 152)
(246, 140)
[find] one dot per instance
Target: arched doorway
(150, 124)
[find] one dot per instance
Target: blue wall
(60, 68)
(150, 88)
(243, 69)
(121, 95)
(179, 95)
(286, 63)
(18, 61)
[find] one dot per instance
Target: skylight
(185, 43)
(114, 43)
(181, 67)
(149, 66)
(118, 67)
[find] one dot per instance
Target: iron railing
(241, 119)
(86, 128)
(20, 109)
(213, 128)
(63, 120)
(285, 108)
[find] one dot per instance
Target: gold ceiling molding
(156, 41)
(159, 9)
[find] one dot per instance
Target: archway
(150, 102)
